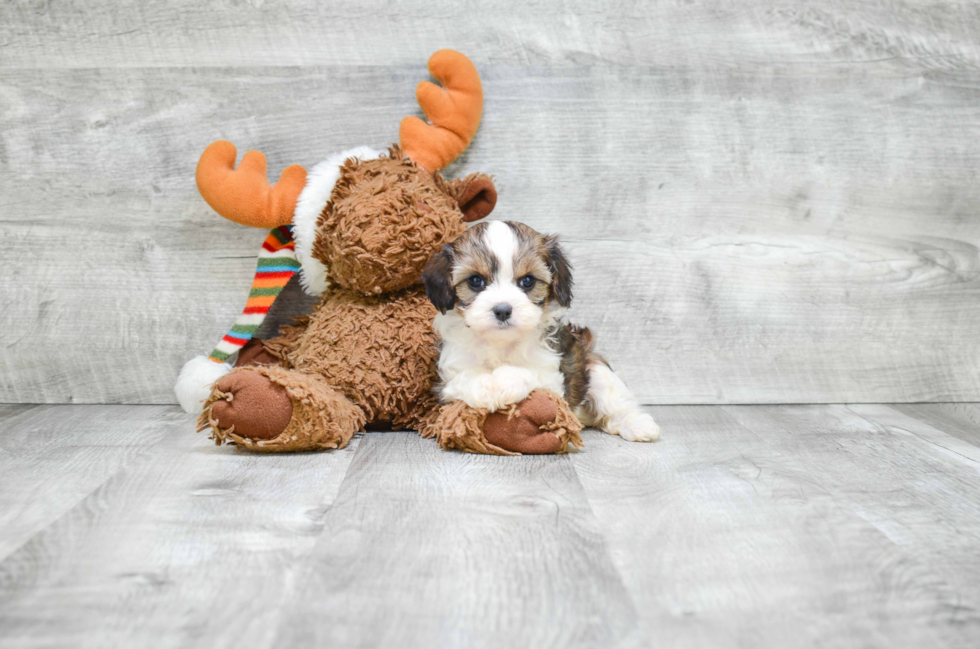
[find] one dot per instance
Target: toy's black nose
(502, 311)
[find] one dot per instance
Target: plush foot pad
(251, 405)
(519, 430)
(523, 428)
(271, 408)
(541, 424)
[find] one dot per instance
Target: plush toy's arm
(288, 339)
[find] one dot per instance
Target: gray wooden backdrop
(765, 202)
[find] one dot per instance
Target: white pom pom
(194, 383)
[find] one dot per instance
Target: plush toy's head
(366, 220)
(387, 217)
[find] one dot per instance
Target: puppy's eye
(527, 282)
(477, 283)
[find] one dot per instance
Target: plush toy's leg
(271, 408)
(542, 423)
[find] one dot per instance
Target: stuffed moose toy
(359, 229)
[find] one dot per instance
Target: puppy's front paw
(480, 392)
(511, 385)
(637, 427)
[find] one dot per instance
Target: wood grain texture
(934, 433)
(79, 34)
(439, 549)
(905, 478)
(774, 204)
(761, 526)
(187, 544)
(961, 420)
(53, 457)
(789, 526)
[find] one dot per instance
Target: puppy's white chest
(535, 357)
(494, 373)
(536, 360)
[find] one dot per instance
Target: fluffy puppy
(502, 291)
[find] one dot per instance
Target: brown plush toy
(363, 226)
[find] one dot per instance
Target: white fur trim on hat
(194, 383)
(314, 197)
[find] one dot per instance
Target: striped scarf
(277, 263)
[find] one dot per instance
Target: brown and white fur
(502, 290)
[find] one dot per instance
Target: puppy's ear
(437, 276)
(561, 271)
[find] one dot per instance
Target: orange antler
(453, 112)
(244, 195)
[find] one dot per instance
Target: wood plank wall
(765, 202)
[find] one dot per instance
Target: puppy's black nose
(502, 311)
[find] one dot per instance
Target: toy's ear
(476, 196)
(438, 278)
(561, 271)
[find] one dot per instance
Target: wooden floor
(752, 526)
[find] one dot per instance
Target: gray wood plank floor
(752, 526)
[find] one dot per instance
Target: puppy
(502, 291)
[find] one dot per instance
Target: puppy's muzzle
(502, 312)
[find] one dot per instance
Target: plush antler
(244, 195)
(453, 112)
